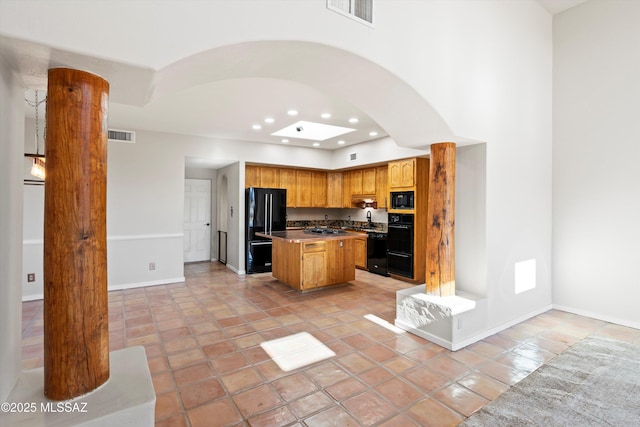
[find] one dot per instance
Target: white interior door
(197, 220)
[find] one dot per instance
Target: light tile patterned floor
(203, 337)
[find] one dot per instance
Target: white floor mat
(296, 351)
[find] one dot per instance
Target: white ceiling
(556, 6)
(226, 108)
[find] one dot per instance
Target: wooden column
(76, 329)
(441, 271)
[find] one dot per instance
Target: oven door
(400, 264)
(400, 238)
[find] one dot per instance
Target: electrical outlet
(152, 266)
(31, 277)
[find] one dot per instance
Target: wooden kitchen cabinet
(402, 174)
(340, 261)
(303, 188)
(288, 181)
(356, 181)
(251, 176)
(382, 187)
(314, 265)
(269, 177)
(361, 252)
(318, 189)
(306, 263)
(334, 189)
(346, 189)
(369, 181)
(261, 176)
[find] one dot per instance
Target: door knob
(207, 224)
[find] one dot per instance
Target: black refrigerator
(266, 211)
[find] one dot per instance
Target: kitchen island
(307, 260)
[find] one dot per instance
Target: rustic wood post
(441, 271)
(76, 328)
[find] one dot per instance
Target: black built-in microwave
(402, 200)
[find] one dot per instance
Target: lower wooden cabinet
(314, 270)
(361, 252)
(309, 265)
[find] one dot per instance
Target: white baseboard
(598, 316)
(507, 325)
(145, 284)
(119, 287)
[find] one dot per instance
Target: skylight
(312, 131)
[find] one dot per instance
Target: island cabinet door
(314, 267)
(340, 261)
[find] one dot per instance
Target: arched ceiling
(222, 92)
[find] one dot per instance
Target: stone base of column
(126, 399)
(452, 322)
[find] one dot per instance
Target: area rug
(297, 350)
(596, 382)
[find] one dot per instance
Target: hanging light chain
(36, 104)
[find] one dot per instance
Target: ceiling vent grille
(353, 157)
(359, 10)
(117, 135)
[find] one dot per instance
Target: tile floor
(202, 340)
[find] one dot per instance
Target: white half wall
(596, 153)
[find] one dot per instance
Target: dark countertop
(298, 236)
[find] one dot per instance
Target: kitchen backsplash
(337, 223)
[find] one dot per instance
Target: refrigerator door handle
(266, 199)
(271, 213)
(260, 243)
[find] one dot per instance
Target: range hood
(364, 201)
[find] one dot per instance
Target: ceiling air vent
(353, 157)
(117, 135)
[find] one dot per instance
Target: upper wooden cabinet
(369, 181)
(402, 173)
(346, 189)
(288, 182)
(251, 176)
(382, 187)
(270, 177)
(261, 176)
(318, 189)
(334, 189)
(308, 188)
(303, 188)
(356, 181)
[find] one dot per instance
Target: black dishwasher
(377, 253)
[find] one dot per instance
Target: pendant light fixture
(38, 160)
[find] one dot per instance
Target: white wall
(233, 177)
(596, 153)
(484, 66)
(11, 158)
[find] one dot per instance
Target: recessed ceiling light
(373, 133)
(269, 120)
(292, 112)
(316, 144)
(353, 120)
(341, 142)
(326, 115)
(256, 127)
(285, 141)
